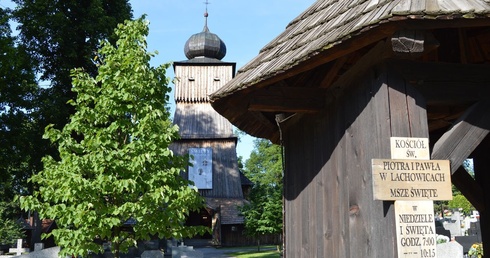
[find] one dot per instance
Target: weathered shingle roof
(328, 23)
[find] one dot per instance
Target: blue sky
(244, 26)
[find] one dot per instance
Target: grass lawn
(253, 253)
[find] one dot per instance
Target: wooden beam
(465, 136)
(288, 99)
(446, 83)
(459, 142)
(469, 188)
(333, 72)
(376, 55)
(463, 45)
(408, 43)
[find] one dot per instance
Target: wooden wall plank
(333, 180)
(417, 110)
(398, 106)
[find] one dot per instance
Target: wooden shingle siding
(198, 82)
(200, 120)
(226, 177)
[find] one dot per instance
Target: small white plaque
(415, 229)
(201, 171)
(409, 148)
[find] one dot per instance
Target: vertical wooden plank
(398, 106)
(381, 211)
(361, 238)
(320, 184)
(311, 194)
(329, 191)
(340, 175)
(417, 113)
(293, 168)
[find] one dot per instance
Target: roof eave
(231, 103)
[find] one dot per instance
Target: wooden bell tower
(207, 136)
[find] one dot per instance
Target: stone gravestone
(44, 253)
(467, 241)
(152, 254)
(450, 250)
(183, 251)
(38, 246)
(475, 229)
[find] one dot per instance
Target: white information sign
(404, 179)
(415, 229)
(410, 215)
(201, 170)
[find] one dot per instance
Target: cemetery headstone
(467, 241)
(51, 252)
(450, 250)
(38, 246)
(183, 251)
(152, 254)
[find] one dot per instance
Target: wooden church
(343, 78)
(208, 137)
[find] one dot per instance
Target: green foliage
(18, 88)
(476, 250)
(10, 229)
(63, 34)
(115, 162)
(264, 168)
(54, 37)
(469, 166)
(459, 201)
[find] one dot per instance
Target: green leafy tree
(459, 201)
(263, 215)
(17, 90)
(115, 163)
(10, 229)
(55, 37)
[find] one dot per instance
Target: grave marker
(18, 250)
(38, 246)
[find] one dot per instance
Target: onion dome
(205, 44)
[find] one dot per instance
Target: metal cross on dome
(207, 3)
(206, 14)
